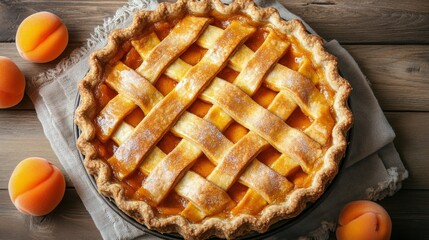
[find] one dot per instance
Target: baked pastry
(212, 120)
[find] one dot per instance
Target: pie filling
(268, 69)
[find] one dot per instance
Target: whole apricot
(364, 220)
(36, 186)
(41, 37)
(12, 83)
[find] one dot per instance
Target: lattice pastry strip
(233, 44)
(283, 105)
(179, 67)
(227, 157)
(252, 202)
(257, 84)
(181, 63)
(128, 156)
(112, 114)
(239, 62)
(264, 123)
(306, 69)
(181, 37)
(154, 158)
(263, 181)
(189, 185)
(307, 97)
(236, 159)
(131, 93)
(222, 153)
(263, 69)
(149, 156)
(126, 82)
(304, 93)
(157, 185)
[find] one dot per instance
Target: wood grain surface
(389, 40)
(348, 21)
(69, 220)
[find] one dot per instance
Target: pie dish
(209, 119)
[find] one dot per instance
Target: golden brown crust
(240, 224)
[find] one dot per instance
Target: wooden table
(388, 38)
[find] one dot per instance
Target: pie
(209, 119)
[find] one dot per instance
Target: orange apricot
(364, 220)
(41, 37)
(12, 83)
(36, 186)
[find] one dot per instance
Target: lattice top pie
(211, 119)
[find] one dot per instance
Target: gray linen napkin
(372, 169)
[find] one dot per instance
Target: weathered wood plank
(366, 21)
(348, 21)
(69, 220)
(409, 210)
(399, 74)
(412, 143)
(395, 71)
(21, 129)
(22, 137)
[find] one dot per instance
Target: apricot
(36, 186)
(12, 83)
(364, 220)
(41, 37)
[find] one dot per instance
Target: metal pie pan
(280, 226)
